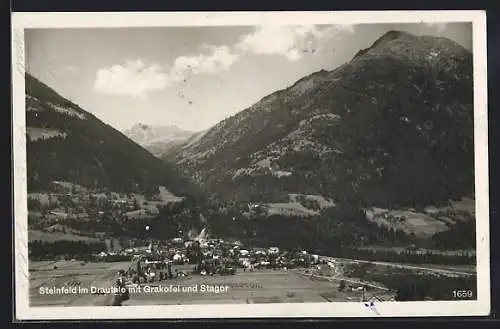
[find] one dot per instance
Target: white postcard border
(23, 311)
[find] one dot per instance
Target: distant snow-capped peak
(144, 134)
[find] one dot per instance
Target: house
(61, 187)
(273, 250)
(177, 240)
(137, 214)
(82, 214)
(58, 215)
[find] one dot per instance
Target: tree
(136, 204)
(34, 203)
(342, 285)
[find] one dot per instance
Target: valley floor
(56, 274)
(259, 286)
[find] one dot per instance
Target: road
(355, 282)
(428, 268)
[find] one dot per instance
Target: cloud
(438, 26)
(288, 41)
(345, 27)
(71, 69)
(136, 79)
(133, 79)
(214, 59)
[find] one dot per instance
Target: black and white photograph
(283, 164)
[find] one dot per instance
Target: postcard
(175, 165)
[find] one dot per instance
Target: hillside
(391, 128)
(157, 139)
(66, 143)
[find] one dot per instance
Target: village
(71, 212)
(254, 274)
(213, 270)
(182, 267)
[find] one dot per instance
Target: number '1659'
(462, 293)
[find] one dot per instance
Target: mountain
(391, 128)
(66, 143)
(157, 139)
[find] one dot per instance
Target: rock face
(392, 127)
(66, 143)
(157, 139)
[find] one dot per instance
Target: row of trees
(461, 235)
(410, 287)
(41, 250)
(409, 257)
(335, 227)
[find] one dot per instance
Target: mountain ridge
(67, 143)
(402, 84)
(156, 138)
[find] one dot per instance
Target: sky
(194, 77)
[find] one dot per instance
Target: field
(422, 223)
(289, 209)
(43, 133)
(295, 208)
(257, 287)
(318, 284)
(48, 274)
(261, 286)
